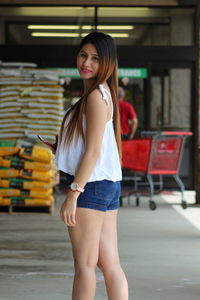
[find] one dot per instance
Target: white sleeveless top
(108, 166)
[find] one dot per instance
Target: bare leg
(85, 238)
(116, 283)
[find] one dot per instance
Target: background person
(88, 151)
(128, 116)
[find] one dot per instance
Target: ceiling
(93, 2)
(146, 22)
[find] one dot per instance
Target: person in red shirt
(128, 116)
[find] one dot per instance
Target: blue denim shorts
(101, 195)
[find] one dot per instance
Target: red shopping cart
(156, 153)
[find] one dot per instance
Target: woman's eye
(95, 58)
(82, 55)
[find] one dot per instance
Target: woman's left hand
(68, 209)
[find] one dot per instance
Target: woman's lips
(85, 71)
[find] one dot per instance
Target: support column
(2, 32)
(197, 109)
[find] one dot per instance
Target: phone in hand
(46, 142)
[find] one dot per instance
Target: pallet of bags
(26, 177)
(31, 101)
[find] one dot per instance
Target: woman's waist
(93, 179)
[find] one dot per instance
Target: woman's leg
(116, 283)
(85, 238)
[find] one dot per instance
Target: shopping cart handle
(188, 133)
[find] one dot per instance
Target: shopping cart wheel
(152, 205)
(137, 201)
(184, 204)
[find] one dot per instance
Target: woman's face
(88, 62)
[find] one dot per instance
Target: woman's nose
(87, 61)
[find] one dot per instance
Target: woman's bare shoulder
(95, 93)
(95, 104)
(95, 96)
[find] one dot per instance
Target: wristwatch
(74, 187)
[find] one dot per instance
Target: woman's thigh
(108, 246)
(85, 236)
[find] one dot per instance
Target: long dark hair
(107, 53)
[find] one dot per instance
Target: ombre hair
(107, 53)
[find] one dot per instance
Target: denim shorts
(101, 195)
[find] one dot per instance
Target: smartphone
(45, 141)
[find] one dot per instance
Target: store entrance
(171, 103)
(163, 102)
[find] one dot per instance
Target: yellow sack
(28, 165)
(29, 193)
(5, 201)
(4, 172)
(4, 151)
(40, 194)
(36, 153)
(26, 184)
(9, 192)
(42, 176)
(38, 185)
(26, 201)
(4, 183)
(38, 166)
(39, 202)
(4, 163)
(11, 163)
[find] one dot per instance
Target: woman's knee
(85, 263)
(107, 266)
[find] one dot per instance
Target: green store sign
(122, 72)
(133, 73)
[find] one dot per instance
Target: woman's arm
(96, 117)
(97, 112)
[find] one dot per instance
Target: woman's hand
(68, 209)
(52, 147)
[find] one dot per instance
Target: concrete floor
(160, 253)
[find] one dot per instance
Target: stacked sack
(26, 175)
(31, 101)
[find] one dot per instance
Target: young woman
(89, 152)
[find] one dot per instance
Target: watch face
(74, 186)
